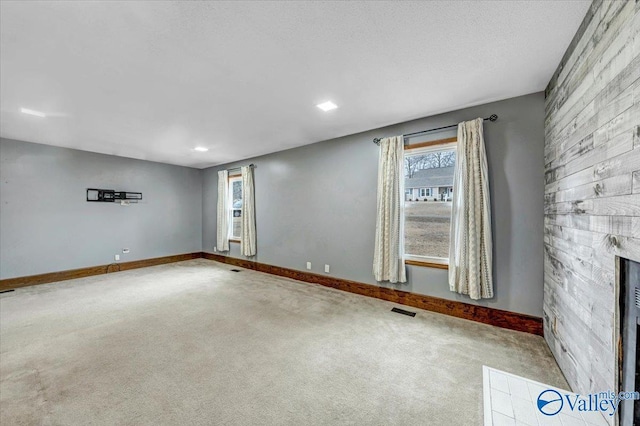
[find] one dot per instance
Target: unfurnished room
(320, 213)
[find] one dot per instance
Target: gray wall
(314, 203)
(592, 192)
(317, 203)
(46, 225)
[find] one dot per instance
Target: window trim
(424, 263)
(431, 148)
(232, 178)
(424, 148)
(431, 143)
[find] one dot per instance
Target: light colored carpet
(194, 343)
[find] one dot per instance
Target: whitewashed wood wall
(592, 192)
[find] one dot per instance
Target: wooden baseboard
(10, 283)
(483, 314)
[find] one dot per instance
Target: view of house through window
(235, 194)
(428, 192)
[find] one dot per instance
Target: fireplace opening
(629, 301)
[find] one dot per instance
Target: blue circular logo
(550, 402)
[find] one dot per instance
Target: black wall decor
(109, 195)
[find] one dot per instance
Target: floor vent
(235, 270)
(403, 312)
(6, 291)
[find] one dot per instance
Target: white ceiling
(153, 80)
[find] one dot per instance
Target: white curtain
(470, 250)
(388, 259)
(223, 211)
(248, 239)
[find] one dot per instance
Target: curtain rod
(239, 167)
(492, 117)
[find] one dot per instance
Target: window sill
(426, 264)
(234, 241)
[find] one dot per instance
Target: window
(235, 195)
(425, 192)
(427, 219)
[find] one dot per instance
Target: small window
(235, 195)
(427, 219)
(425, 192)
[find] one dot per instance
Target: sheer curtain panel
(222, 240)
(388, 259)
(248, 239)
(470, 250)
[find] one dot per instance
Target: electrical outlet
(215, 249)
(554, 326)
(117, 257)
(308, 265)
(125, 250)
(326, 268)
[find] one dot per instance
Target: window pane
(237, 221)
(237, 191)
(428, 193)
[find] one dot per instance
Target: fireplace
(629, 372)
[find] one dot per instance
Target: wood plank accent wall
(483, 314)
(592, 190)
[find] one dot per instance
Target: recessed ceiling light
(201, 149)
(327, 106)
(33, 112)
